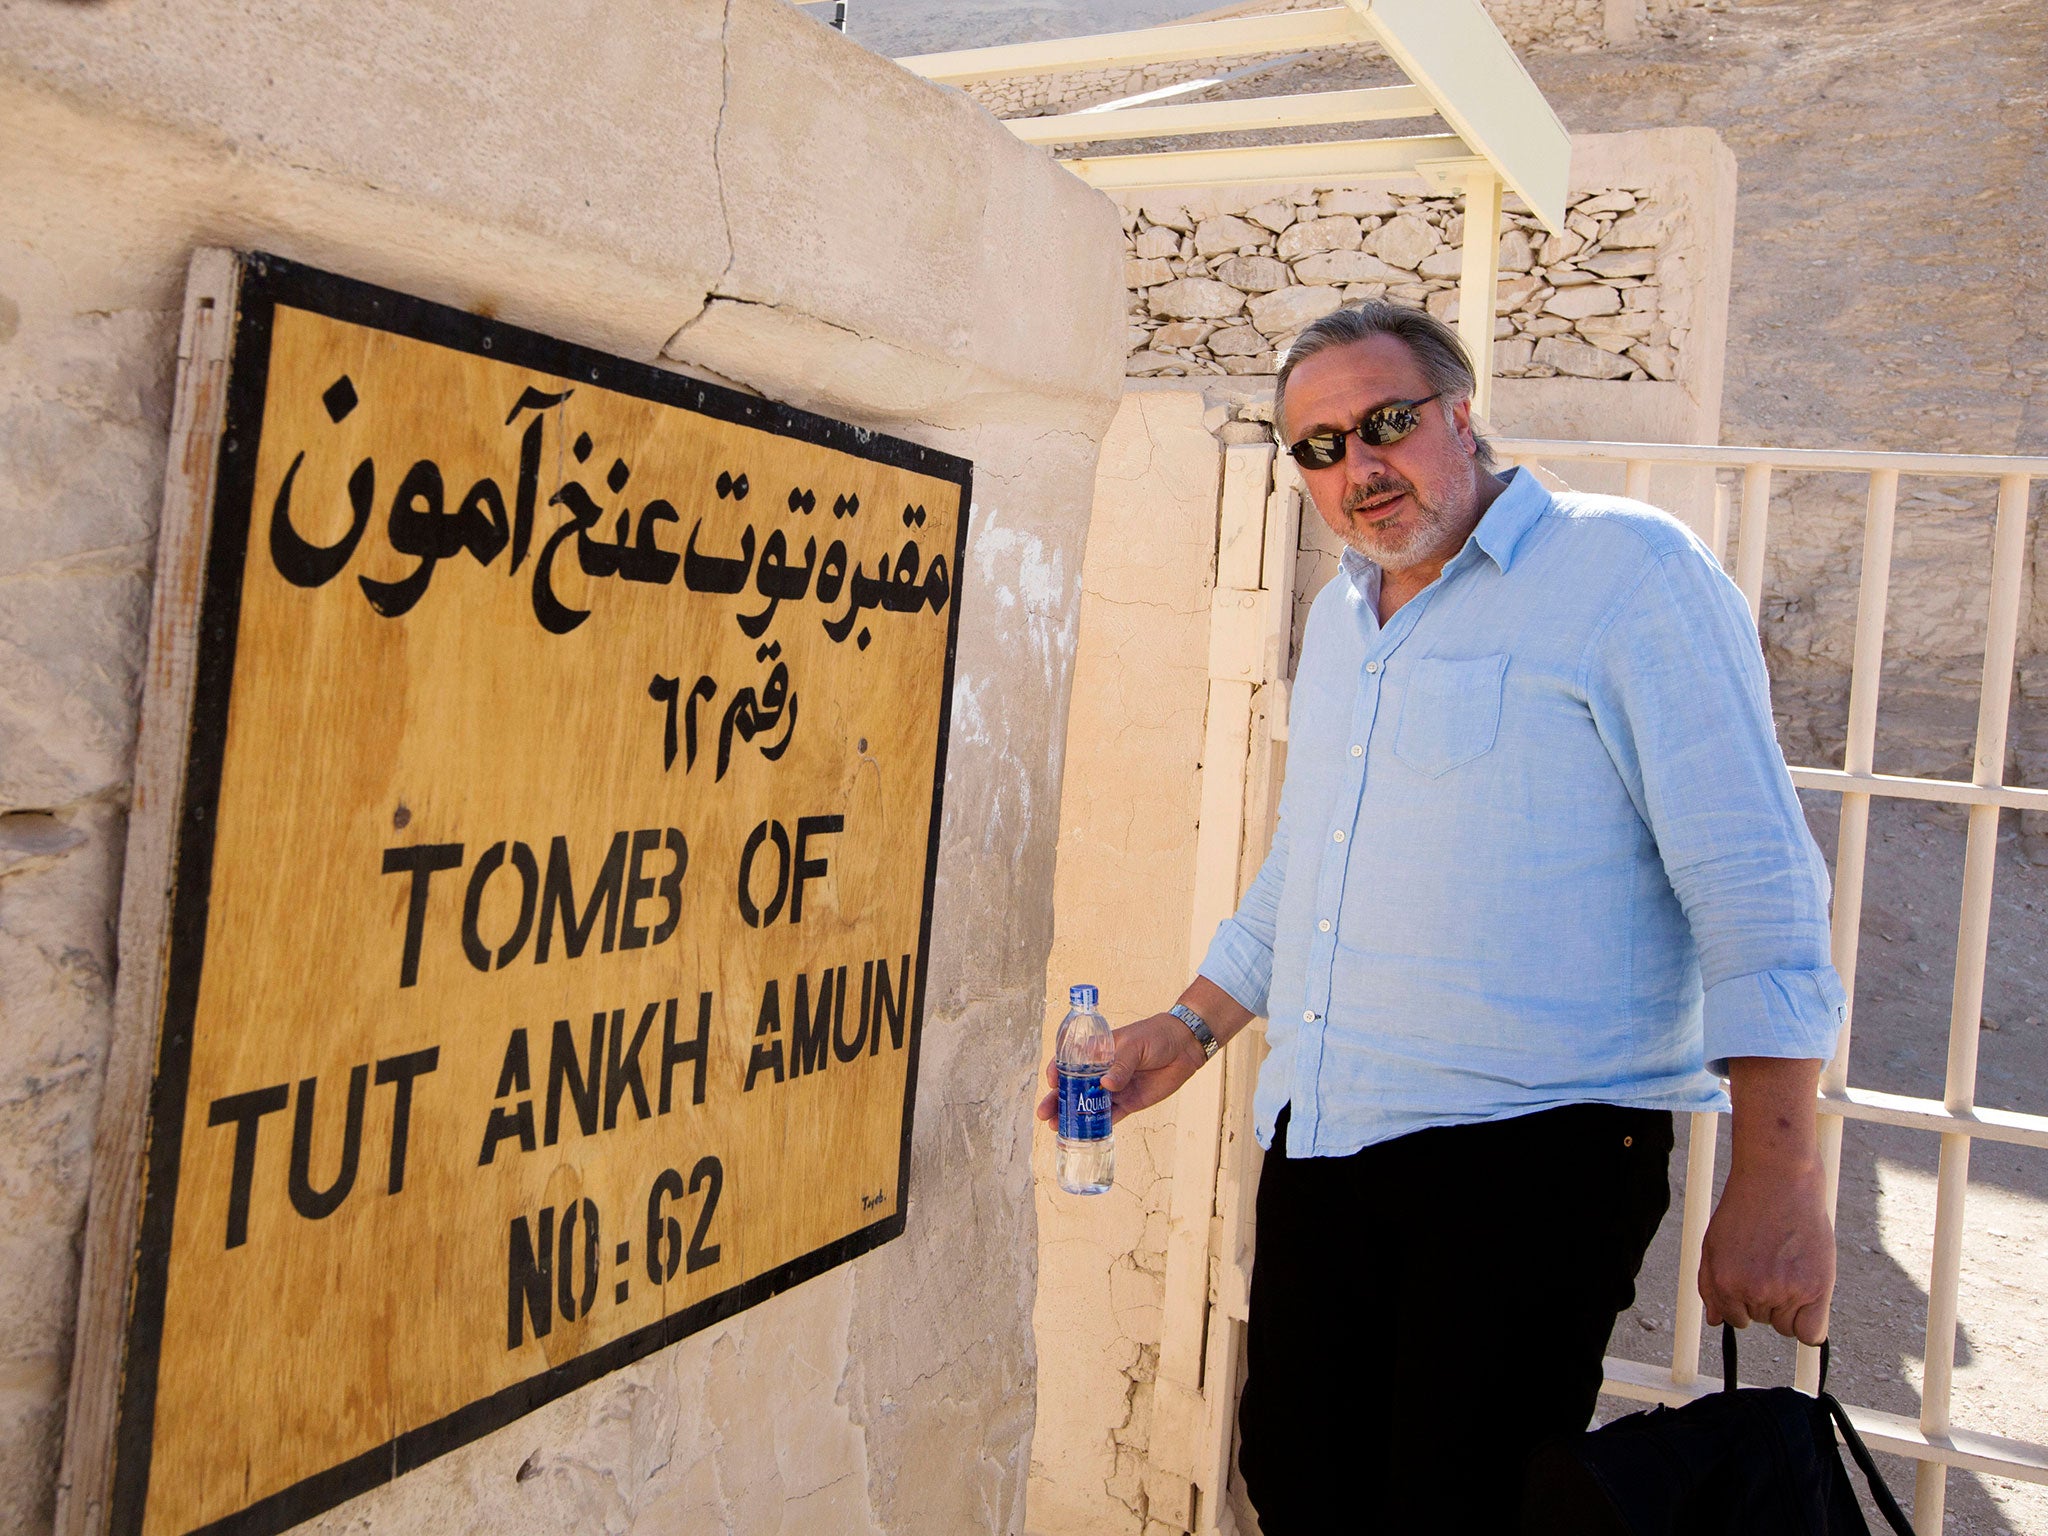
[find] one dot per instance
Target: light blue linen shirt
(1537, 844)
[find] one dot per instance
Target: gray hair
(1432, 343)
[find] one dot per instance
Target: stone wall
(719, 185)
(1530, 26)
(1226, 292)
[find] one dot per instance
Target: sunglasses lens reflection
(1389, 424)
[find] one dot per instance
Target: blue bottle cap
(1082, 996)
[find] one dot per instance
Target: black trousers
(1425, 1311)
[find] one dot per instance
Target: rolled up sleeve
(1240, 956)
(1677, 687)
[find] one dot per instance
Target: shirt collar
(1499, 534)
(1512, 515)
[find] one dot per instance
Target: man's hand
(1769, 1253)
(1155, 1056)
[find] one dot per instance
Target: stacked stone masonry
(1530, 26)
(1227, 292)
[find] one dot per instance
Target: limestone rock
(1257, 362)
(1140, 364)
(1657, 362)
(1358, 204)
(1290, 309)
(1347, 267)
(1608, 202)
(1546, 325)
(1275, 216)
(1358, 293)
(1447, 263)
(1516, 255)
(1182, 333)
(1646, 298)
(1254, 274)
(1578, 303)
(1514, 292)
(1136, 338)
(1630, 321)
(1224, 233)
(1195, 298)
(1581, 359)
(1444, 305)
(1403, 241)
(1562, 247)
(1147, 273)
(1317, 235)
(1512, 356)
(1172, 215)
(1622, 263)
(1237, 341)
(1634, 231)
(1156, 241)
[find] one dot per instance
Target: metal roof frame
(1461, 70)
(1504, 134)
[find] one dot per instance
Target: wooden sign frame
(209, 523)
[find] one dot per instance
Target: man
(1539, 872)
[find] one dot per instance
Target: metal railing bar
(1726, 456)
(1969, 1449)
(1945, 791)
(2007, 1125)
(1637, 487)
(1973, 942)
(1749, 548)
(1852, 843)
(1692, 1233)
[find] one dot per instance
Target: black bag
(1754, 1462)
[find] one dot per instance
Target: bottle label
(1084, 1106)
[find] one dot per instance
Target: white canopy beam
(1288, 32)
(1384, 104)
(1347, 160)
(1452, 49)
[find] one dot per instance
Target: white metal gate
(1210, 1234)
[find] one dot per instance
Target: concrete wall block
(896, 259)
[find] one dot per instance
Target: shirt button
(1308, 1016)
(1357, 751)
(1337, 836)
(1323, 926)
(1372, 666)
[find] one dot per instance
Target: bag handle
(1880, 1490)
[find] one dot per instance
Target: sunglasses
(1389, 424)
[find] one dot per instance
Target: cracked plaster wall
(742, 193)
(1122, 899)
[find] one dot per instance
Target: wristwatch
(1198, 1027)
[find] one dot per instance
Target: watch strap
(1198, 1027)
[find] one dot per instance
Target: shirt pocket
(1451, 713)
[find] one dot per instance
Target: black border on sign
(266, 282)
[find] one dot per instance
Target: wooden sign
(530, 893)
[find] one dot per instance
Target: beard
(1416, 534)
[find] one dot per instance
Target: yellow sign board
(553, 882)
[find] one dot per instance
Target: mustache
(1380, 485)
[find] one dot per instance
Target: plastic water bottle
(1087, 1155)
